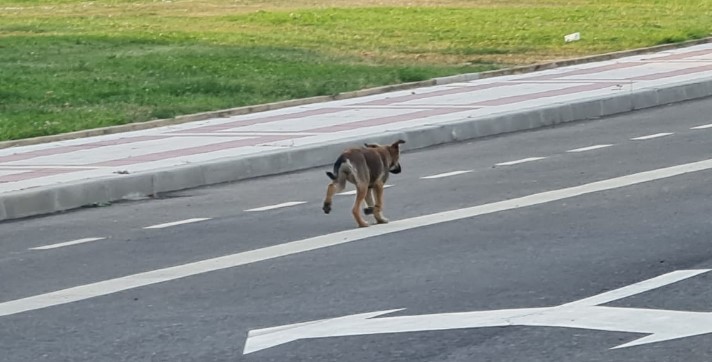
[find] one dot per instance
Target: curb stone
(345, 95)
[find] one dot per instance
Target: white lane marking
(272, 207)
(530, 159)
(353, 192)
(703, 126)
(110, 286)
(649, 137)
(660, 324)
(589, 148)
(446, 174)
(637, 288)
(66, 243)
(181, 222)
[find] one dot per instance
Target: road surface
(585, 242)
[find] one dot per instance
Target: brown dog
(368, 169)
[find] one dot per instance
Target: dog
(368, 169)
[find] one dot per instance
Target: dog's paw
(382, 220)
(368, 210)
(326, 208)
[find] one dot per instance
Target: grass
(68, 65)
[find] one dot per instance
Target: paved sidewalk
(63, 175)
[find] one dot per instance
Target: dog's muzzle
(396, 168)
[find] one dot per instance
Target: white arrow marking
(661, 325)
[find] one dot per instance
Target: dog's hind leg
(361, 192)
(378, 207)
(333, 188)
(368, 210)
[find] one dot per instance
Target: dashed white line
(353, 192)
(703, 126)
(530, 159)
(181, 222)
(446, 174)
(589, 148)
(127, 282)
(649, 137)
(67, 243)
(272, 207)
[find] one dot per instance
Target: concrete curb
(345, 95)
(68, 196)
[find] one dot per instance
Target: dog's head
(394, 153)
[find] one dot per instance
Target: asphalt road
(468, 284)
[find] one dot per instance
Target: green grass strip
(71, 65)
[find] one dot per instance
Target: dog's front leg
(378, 208)
(332, 189)
(361, 191)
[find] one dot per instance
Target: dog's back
(361, 165)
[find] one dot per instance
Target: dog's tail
(337, 166)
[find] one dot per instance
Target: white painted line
(353, 192)
(589, 148)
(446, 174)
(703, 126)
(272, 207)
(637, 288)
(67, 243)
(110, 286)
(169, 224)
(649, 137)
(657, 325)
(530, 159)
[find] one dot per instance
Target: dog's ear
(370, 145)
(397, 143)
